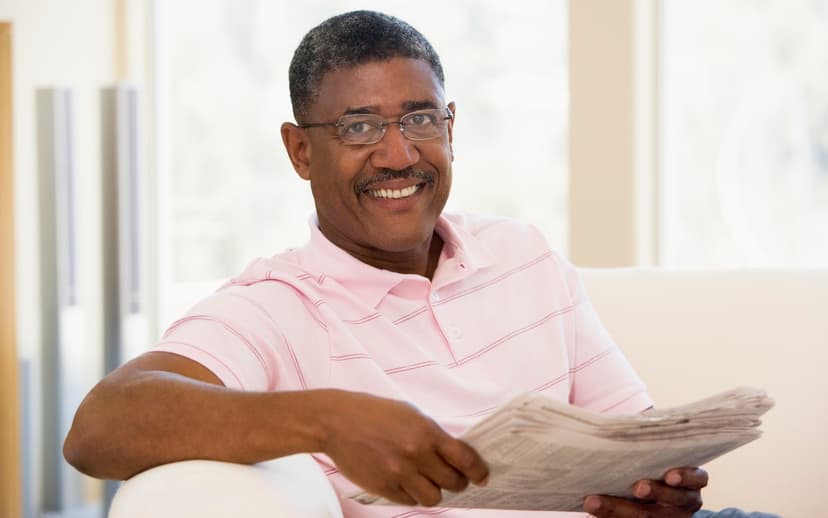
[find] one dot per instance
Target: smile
(394, 193)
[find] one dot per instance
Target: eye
(419, 119)
(359, 125)
(356, 128)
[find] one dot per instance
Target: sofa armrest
(291, 486)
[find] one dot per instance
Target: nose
(395, 151)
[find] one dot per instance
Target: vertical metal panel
(109, 230)
(62, 344)
(125, 332)
(128, 209)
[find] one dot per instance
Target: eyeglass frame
(339, 123)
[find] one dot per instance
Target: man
(392, 331)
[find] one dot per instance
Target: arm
(162, 408)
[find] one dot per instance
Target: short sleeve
(602, 378)
(231, 337)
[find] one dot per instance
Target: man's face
(351, 184)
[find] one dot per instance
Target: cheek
(335, 177)
(446, 185)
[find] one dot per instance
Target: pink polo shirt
(503, 315)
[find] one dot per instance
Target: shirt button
(435, 297)
(456, 333)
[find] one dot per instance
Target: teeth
(394, 193)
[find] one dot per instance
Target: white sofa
(688, 333)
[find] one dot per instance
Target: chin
(395, 240)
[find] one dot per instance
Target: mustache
(383, 175)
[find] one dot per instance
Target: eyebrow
(418, 105)
(407, 106)
(360, 110)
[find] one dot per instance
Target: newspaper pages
(547, 455)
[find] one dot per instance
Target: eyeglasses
(366, 128)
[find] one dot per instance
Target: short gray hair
(348, 40)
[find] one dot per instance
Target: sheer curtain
(745, 125)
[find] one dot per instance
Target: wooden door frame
(11, 489)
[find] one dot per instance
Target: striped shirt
(503, 315)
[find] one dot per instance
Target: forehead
(384, 87)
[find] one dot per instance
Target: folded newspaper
(544, 454)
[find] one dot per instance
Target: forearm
(133, 422)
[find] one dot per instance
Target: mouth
(394, 194)
(389, 184)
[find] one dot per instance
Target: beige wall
(693, 333)
(69, 44)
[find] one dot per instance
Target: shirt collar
(463, 254)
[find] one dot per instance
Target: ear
(452, 108)
(298, 148)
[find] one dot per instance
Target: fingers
(425, 487)
(678, 495)
(422, 490)
(422, 471)
(661, 493)
(690, 478)
(464, 459)
(404, 484)
(611, 507)
(443, 474)
(399, 496)
(451, 466)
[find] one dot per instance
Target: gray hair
(348, 40)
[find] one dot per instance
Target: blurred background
(141, 162)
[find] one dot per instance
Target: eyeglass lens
(369, 128)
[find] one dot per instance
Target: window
(745, 125)
(228, 192)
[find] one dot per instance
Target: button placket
(450, 333)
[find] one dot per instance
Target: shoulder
(516, 244)
(506, 237)
(499, 231)
(282, 273)
(273, 289)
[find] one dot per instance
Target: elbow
(88, 446)
(74, 452)
(79, 448)
(89, 456)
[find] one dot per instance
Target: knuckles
(415, 449)
(396, 470)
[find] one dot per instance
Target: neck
(421, 261)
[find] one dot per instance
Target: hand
(677, 496)
(389, 448)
